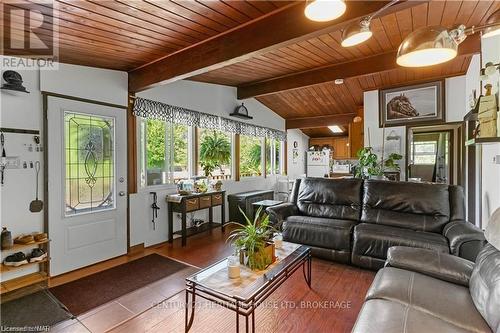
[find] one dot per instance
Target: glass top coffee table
(244, 294)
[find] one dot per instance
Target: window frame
(193, 158)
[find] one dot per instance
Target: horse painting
(401, 107)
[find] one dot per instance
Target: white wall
(98, 84)
(298, 168)
(207, 98)
(490, 171)
(21, 110)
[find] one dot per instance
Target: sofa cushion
(330, 198)
(485, 285)
(374, 240)
(383, 316)
(422, 207)
(448, 301)
(319, 232)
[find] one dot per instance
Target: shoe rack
(37, 280)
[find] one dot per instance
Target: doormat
(89, 292)
(32, 313)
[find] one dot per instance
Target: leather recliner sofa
(357, 221)
(423, 290)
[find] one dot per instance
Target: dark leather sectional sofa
(356, 221)
(423, 290)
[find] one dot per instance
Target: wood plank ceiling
(328, 98)
(126, 34)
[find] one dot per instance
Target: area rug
(32, 313)
(89, 292)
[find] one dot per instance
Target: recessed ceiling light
(335, 129)
(324, 10)
(339, 81)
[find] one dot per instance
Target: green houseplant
(215, 151)
(253, 241)
(370, 166)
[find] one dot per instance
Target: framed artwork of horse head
(415, 104)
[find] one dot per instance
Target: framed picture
(295, 156)
(416, 104)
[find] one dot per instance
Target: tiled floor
(201, 250)
(128, 306)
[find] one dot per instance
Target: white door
(87, 201)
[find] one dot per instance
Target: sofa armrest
(279, 213)
(433, 263)
(465, 239)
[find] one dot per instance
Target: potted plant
(253, 241)
(370, 167)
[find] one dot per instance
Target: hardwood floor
(331, 305)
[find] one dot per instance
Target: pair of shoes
(37, 255)
(24, 239)
(19, 258)
(40, 236)
(16, 259)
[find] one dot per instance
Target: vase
(260, 259)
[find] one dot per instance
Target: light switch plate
(12, 162)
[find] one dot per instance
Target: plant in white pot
(253, 241)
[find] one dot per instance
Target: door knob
(121, 193)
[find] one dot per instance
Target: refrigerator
(318, 163)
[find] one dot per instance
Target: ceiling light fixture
(336, 129)
(356, 34)
(324, 10)
(429, 46)
(359, 32)
(434, 45)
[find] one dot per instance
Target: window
(269, 155)
(250, 156)
(424, 152)
(273, 158)
(171, 152)
(277, 157)
(89, 163)
(180, 152)
(214, 153)
(164, 152)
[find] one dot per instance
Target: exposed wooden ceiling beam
(374, 64)
(319, 121)
(270, 32)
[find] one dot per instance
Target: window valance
(146, 108)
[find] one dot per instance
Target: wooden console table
(184, 204)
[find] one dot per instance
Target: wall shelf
(5, 268)
(19, 247)
(31, 279)
(23, 281)
(482, 141)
